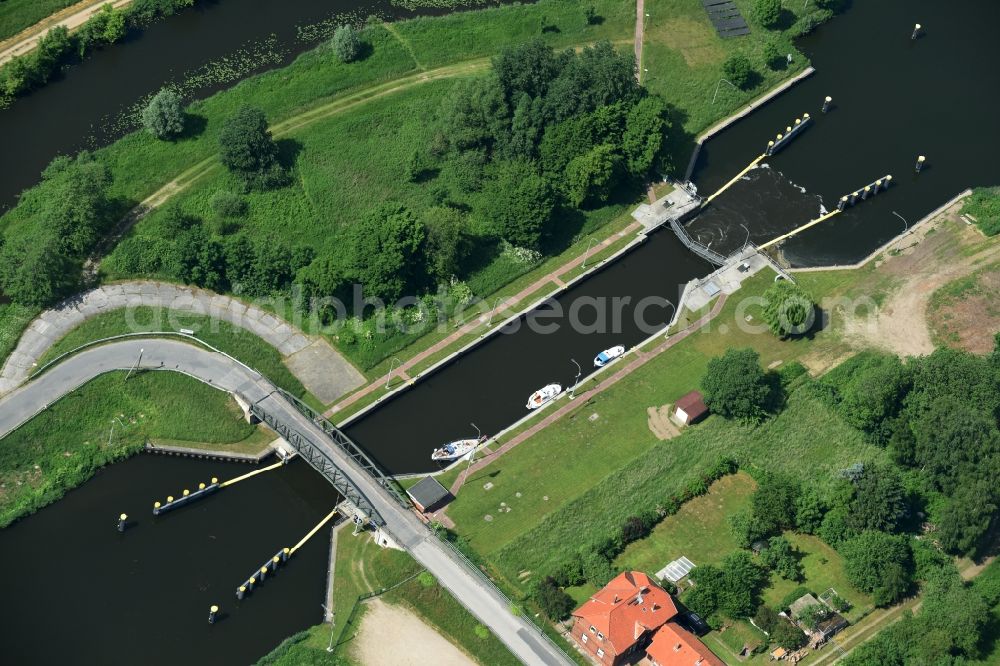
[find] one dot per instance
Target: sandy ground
(930, 261)
(72, 17)
(392, 635)
(660, 424)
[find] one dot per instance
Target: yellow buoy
(201, 486)
(156, 505)
(186, 492)
(123, 517)
(170, 498)
(215, 480)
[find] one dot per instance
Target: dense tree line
(58, 47)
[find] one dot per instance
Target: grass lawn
(361, 567)
(235, 341)
(699, 531)
(617, 463)
(14, 319)
(684, 57)
(63, 446)
(16, 15)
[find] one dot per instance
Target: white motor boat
(543, 395)
(608, 355)
(457, 449)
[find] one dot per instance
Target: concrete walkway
(329, 375)
(639, 359)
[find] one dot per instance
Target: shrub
(346, 43)
(228, 204)
(880, 564)
(481, 631)
(555, 603)
(787, 635)
(735, 385)
(788, 309)
(163, 117)
(248, 151)
(738, 70)
(766, 12)
(426, 579)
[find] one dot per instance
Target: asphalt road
(480, 598)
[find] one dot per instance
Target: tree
(731, 589)
(738, 70)
(590, 177)
(346, 43)
(447, 242)
(596, 568)
(880, 564)
(383, 250)
(954, 442)
(766, 12)
(228, 204)
(773, 503)
(809, 510)
(248, 151)
(35, 269)
(879, 500)
(968, 515)
(645, 134)
(75, 203)
(635, 528)
(735, 385)
(781, 558)
(771, 52)
(163, 117)
(873, 395)
(787, 635)
(555, 603)
(517, 202)
(527, 69)
(788, 309)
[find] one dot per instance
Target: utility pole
(134, 367)
(586, 255)
(388, 377)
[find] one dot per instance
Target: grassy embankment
(16, 15)
(63, 446)
(362, 567)
(615, 462)
(238, 342)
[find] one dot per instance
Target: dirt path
(393, 635)
(72, 17)
(640, 25)
(935, 255)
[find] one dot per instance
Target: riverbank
(37, 24)
(105, 421)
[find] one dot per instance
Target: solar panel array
(726, 17)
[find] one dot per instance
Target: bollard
(186, 492)
(212, 612)
(250, 584)
(854, 197)
(242, 590)
(770, 148)
(285, 552)
(920, 163)
(215, 480)
(916, 31)
(841, 203)
(866, 192)
(121, 522)
(274, 563)
(156, 508)
(888, 179)
(878, 186)
(263, 573)
(798, 121)
(826, 103)
(170, 498)
(201, 486)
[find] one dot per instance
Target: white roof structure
(676, 570)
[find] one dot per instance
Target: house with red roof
(673, 645)
(620, 619)
(627, 618)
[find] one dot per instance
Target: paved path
(71, 17)
(640, 358)
(402, 371)
(458, 577)
(330, 375)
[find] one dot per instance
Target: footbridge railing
(702, 251)
(321, 462)
(352, 450)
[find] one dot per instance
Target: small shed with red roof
(690, 408)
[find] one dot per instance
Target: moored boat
(608, 355)
(543, 395)
(457, 449)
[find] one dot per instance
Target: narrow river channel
(77, 592)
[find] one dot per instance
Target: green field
(16, 15)
(63, 446)
(14, 319)
(238, 342)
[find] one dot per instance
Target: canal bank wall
(891, 243)
(743, 113)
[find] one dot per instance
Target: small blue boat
(608, 355)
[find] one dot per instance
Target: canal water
(75, 591)
(894, 98)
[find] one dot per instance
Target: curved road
(518, 634)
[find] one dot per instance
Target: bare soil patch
(393, 635)
(938, 253)
(965, 314)
(660, 423)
